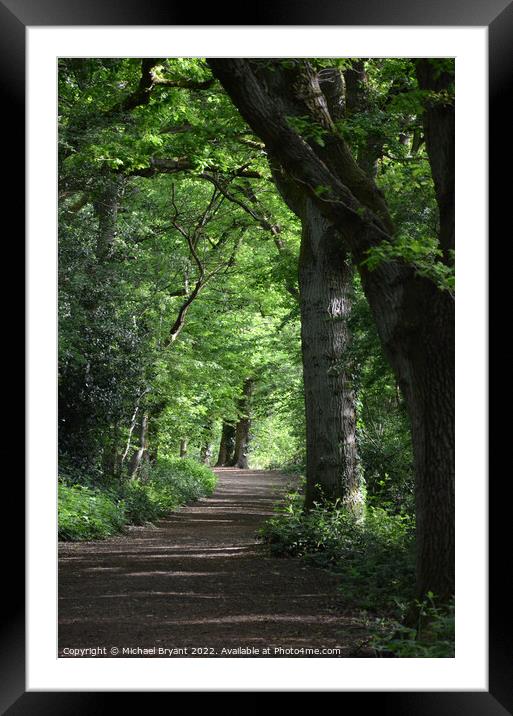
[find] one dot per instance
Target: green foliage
(424, 254)
(87, 514)
(274, 443)
(116, 312)
(164, 487)
(187, 478)
(93, 513)
(142, 502)
(116, 309)
(308, 129)
(372, 553)
(384, 444)
(383, 428)
(431, 638)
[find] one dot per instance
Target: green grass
(90, 513)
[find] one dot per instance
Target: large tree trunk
(242, 436)
(431, 408)
(439, 133)
(325, 285)
(414, 318)
(226, 445)
(325, 288)
(433, 397)
(417, 334)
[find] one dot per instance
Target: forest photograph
(256, 360)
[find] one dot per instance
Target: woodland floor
(200, 579)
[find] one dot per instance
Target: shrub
(374, 555)
(431, 638)
(87, 514)
(141, 503)
(182, 479)
(386, 457)
(93, 513)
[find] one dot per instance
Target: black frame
(497, 15)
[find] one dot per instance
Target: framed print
(247, 230)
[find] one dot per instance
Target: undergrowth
(98, 511)
(432, 636)
(87, 514)
(374, 556)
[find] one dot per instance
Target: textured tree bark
(325, 289)
(439, 134)
(226, 445)
(242, 436)
(433, 397)
(414, 318)
(325, 284)
(431, 407)
(415, 322)
(183, 448)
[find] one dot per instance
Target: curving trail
(201, 580)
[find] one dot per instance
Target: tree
(242, 435)
(181, 271)
(226, 446)
(414, 315)
(325, 287)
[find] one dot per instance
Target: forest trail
(200, 579)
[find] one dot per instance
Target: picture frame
(15, 17)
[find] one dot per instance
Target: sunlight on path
(201, 579)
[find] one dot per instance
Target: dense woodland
(256, 268)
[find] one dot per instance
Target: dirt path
(201, 580)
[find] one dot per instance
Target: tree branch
(183, 164)
(148, 81)
(360, 226)
(260, 218)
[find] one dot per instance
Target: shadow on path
(200, 579)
